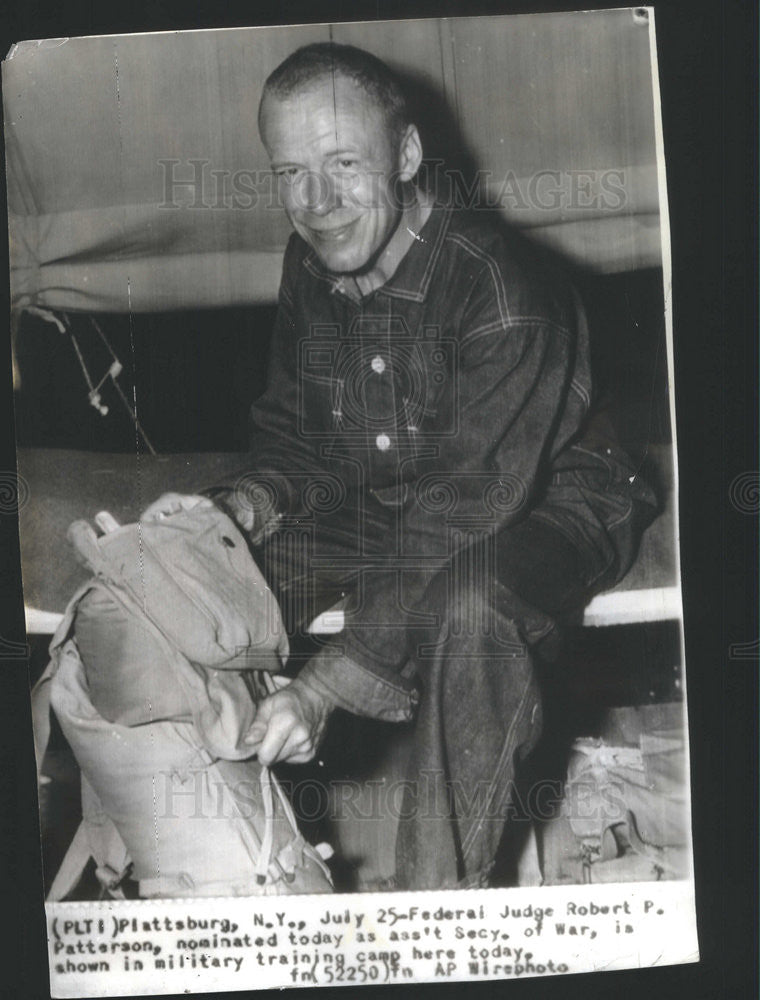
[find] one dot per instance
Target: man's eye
(347, 163)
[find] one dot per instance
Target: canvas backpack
(154, 675)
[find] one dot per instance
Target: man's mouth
(333, 234)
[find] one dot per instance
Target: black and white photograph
(347, 478)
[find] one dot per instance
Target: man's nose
(318, 194)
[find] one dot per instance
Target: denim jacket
(451, 402)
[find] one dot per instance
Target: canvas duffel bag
(170, 794)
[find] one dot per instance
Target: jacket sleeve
(280, 459)
(523, 388)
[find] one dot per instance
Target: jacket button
(378, 365)
(383, 442)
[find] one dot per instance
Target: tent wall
(137, 181)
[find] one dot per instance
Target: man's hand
(289, 725)
(172, 503)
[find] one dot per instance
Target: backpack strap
(41, 690)
(84, 845)
(71, 867)
(96, 838)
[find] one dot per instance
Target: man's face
(335, 159)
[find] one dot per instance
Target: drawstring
(267, 798)
(267, 843)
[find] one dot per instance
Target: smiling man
(343, 161)
(424, 454)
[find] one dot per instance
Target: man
(422, 453)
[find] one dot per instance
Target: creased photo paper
(343, 367)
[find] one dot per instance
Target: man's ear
(409, 153)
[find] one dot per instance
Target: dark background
(198, 371)
(707, 54)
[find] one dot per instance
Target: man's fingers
(188, 501)
(286, 740)
(255, 735)
(270, 751)
(275, 742)
(258, 728)
(172, 503)
(168, 503)
(297, 751)
(303, 757)
(291, 730)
